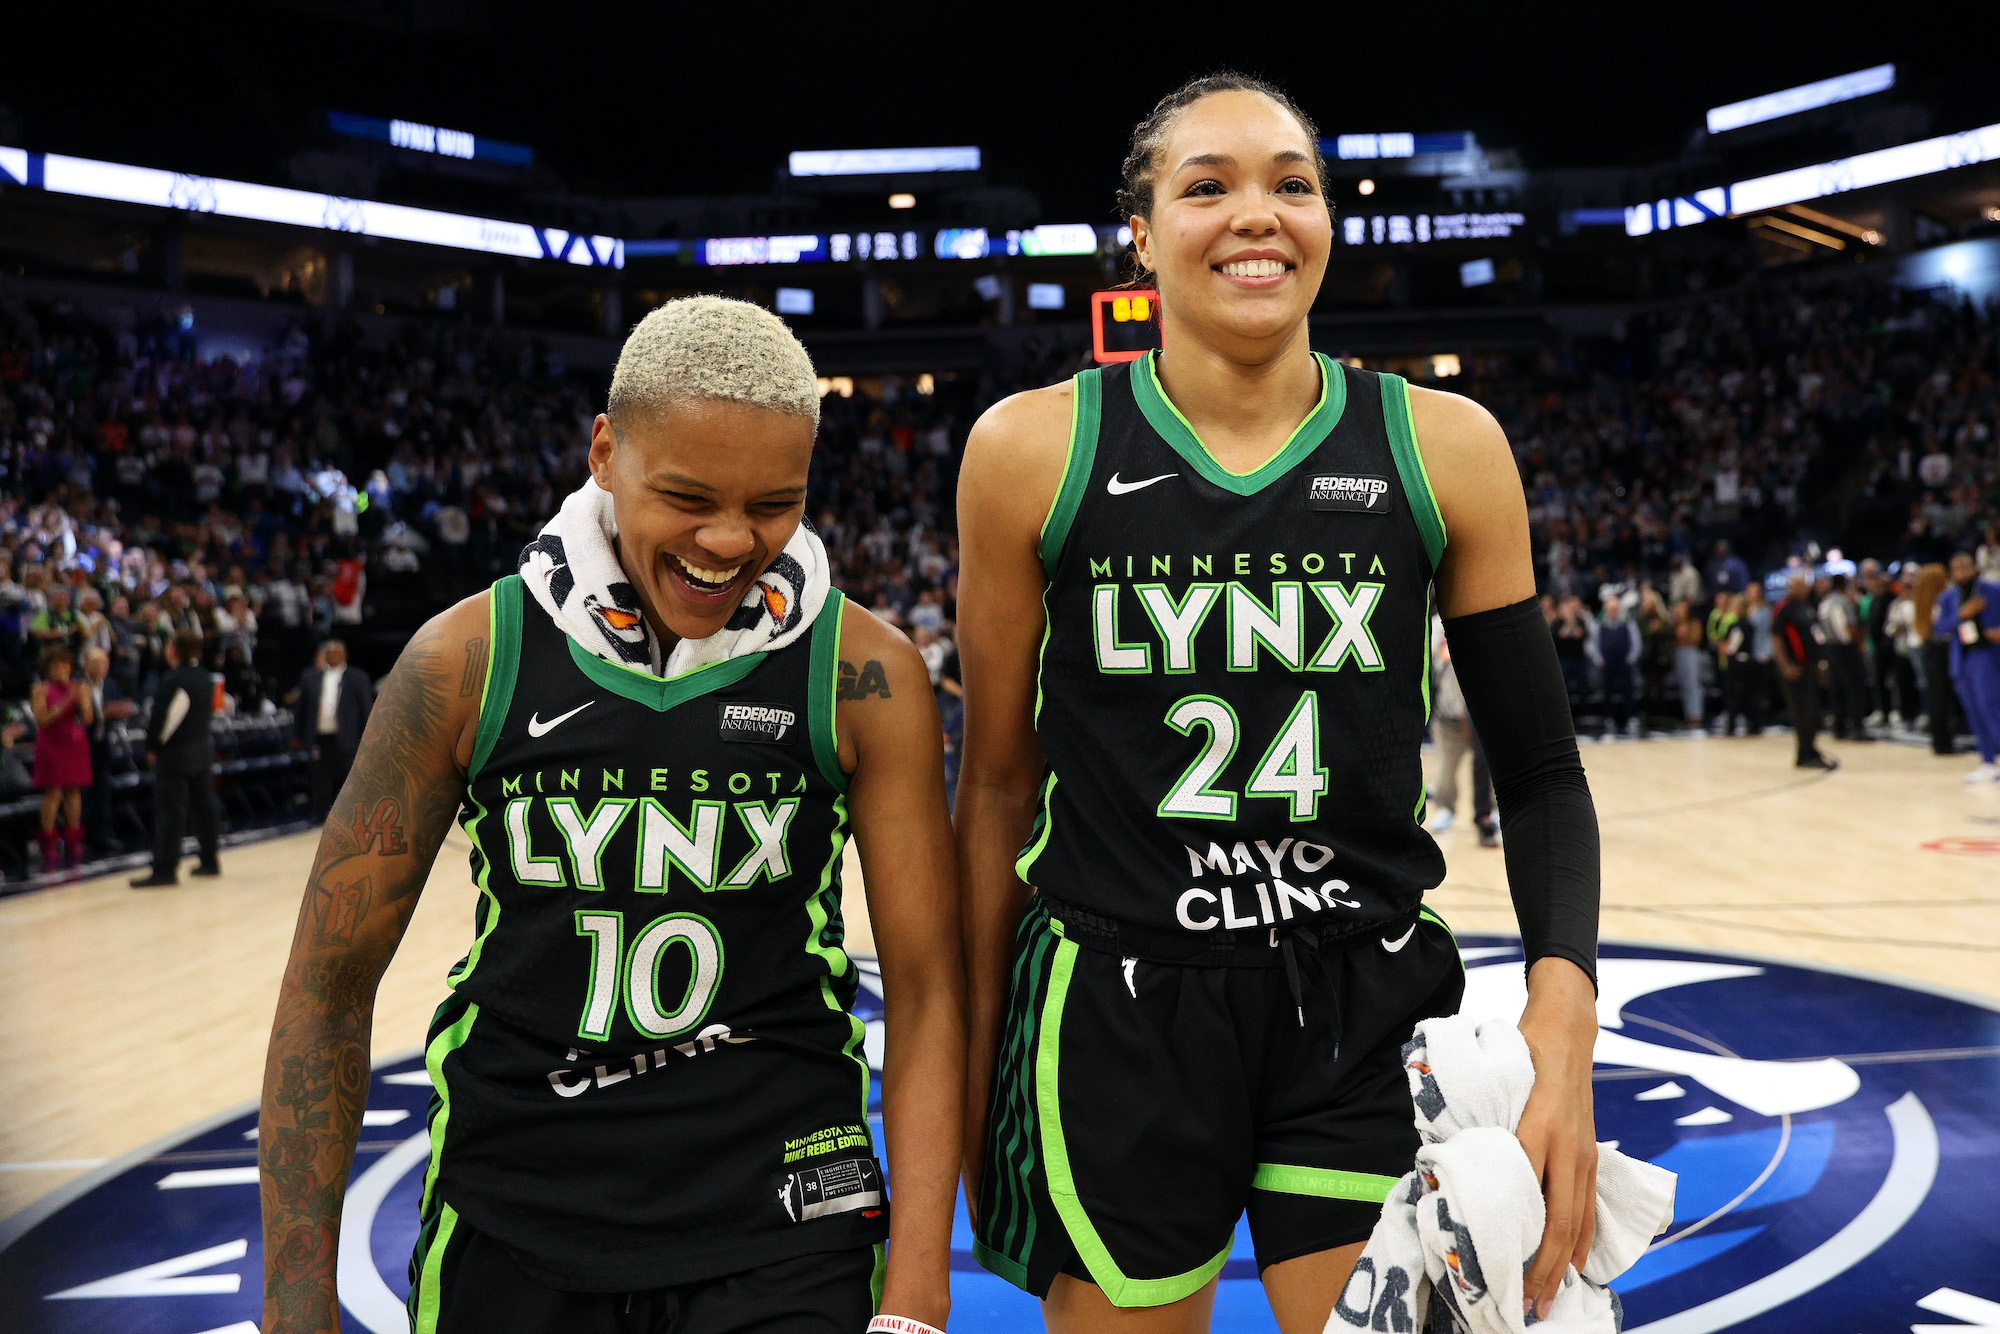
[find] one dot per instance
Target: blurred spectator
(1969, 609)
(58, 625)
(1878, 596)
(1840, 622)
(1755, 695)
(1940, 696)
(1906, 650)
(1727, 573)
(183, 758)
(1799, 644)
(1684, 585)
(1572, 631)
(62, 754)
(110, 707)
(1742, 700)
(1688, 638)
(1614, 650)
(328, 718)
(1454, 737)
(1656, 649)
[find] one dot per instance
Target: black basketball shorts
(479, 1287)
(1140, 1108)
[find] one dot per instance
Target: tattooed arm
(889, 738)
(374, 855)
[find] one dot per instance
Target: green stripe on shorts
(1119, 1288)
(1323, 1182)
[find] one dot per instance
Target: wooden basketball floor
(126, 1016)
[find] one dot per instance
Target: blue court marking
(1713, 1169)
(1681, 1255)
(1869, 1201)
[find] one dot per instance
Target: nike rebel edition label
(1357, 493)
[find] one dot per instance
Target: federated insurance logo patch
(1354, 492)
(767, 723)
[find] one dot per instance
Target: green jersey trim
(503, 665)
(441, 1046)
(1322, 1182)
(1118, 1288)
(657, 693)
(496, 696)
(1410, 468)
(1086, 406)
(877, 1279)
(834, 956)
(1038, 839)
(426, 1296)
(1426, 913)
(1176, 430)
(822, 708)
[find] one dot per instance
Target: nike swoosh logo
(536, 727)
(1118, 488)
(1400, 941)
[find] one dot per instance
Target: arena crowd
(1678, 479)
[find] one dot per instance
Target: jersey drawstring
(1289, 944)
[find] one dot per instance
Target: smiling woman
(1175, 882)
(659, 759)
(705, 447)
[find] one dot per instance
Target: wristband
(900, 1324)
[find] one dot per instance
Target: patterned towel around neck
(572, 570)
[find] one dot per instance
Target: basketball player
(651, 1099)
(1194, 627)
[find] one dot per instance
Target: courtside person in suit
(327, 719)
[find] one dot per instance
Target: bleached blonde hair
(710, 347)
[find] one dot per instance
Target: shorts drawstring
(1289, 945)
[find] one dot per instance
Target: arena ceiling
(707, 99)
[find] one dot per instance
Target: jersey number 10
(635, 973)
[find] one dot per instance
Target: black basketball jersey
(655, 853)
(647, 1071)
(1236, 674)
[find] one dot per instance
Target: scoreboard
(1124, 324)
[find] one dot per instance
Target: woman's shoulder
(1016, 454)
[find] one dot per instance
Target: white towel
(1390, 1288)
(1462, 1077)
(572, 570)
(1465, 1225)
(1480, 1226)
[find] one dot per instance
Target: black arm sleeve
(1513, 688)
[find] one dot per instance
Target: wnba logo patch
(767, 723)
(1354, 492)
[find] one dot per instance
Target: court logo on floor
(1834, 1136)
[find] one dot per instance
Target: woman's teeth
(712, 578)
(1254, 268)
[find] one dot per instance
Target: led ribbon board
(1422, 228)
(1882, 167)
(421, 138)
(1805, 97)
(883, 161)
(90, 179)
(1865, 169)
